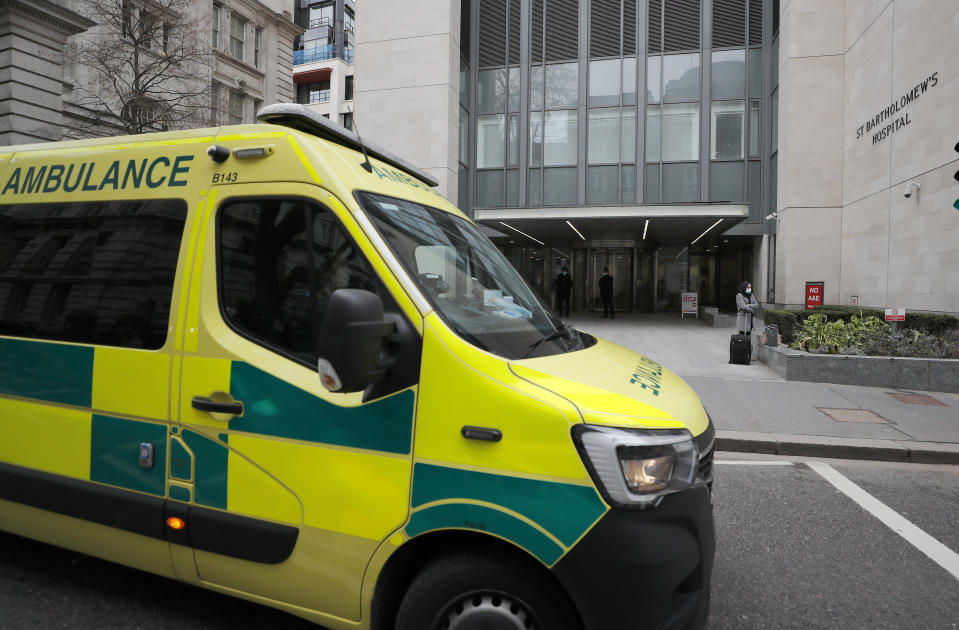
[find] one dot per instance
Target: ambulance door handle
(203, 403)
(481, 433)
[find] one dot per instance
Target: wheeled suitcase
(740, 349)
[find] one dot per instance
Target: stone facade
(867, 104)
(407, 83)
(33, 36)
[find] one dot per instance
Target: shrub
(818, 334)
(909, 343)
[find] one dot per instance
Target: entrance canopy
(657, 225)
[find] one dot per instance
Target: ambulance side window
(280, 260)
(98, 272)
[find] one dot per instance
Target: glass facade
(571, 115)
(558, 119)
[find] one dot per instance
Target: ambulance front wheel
(470, 591)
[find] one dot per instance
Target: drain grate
(917, 399)
(854, 415)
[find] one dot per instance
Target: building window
(310, 93)
(321, 15)
(727, 130)
(257, 46)
(348, 21)
(348, 89)
(237, 33)
(257, 104)
(348, 120)
(216, 26)
(237, 99)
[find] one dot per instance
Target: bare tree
(145, 67)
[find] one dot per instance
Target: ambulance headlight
(636, 468)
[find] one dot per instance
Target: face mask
(748, 291)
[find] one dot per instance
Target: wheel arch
(418, 552)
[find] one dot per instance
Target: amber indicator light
(176, 523)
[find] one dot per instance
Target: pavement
(756, 411)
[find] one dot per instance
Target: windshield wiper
(556, 334)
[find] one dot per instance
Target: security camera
(771, 216)
(910, 187)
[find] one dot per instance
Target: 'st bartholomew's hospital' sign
(895, 122)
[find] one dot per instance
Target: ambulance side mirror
(351, 339)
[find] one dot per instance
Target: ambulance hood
(614, 386)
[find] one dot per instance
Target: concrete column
(406, 93)
(33, 35)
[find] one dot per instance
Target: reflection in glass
(513, 89)
(602, 185)
(559, 138)
(728, 78)
(562, 86)
(513, 158)
(727, 130)
(512, 188)
(627, 184)
(774, 127)
(653, 79)
(491, 91)
(490, 140)
(628, 149)
(754, 188)
(464, 84)
(680, 131)
(754, 129)
(629, 81)
(462, 189)
(536, 87)
(604, 135)
(604, 82)
(464, 136)
(680, 182)
(559, 187)
(755, 72)
(652, 183)
(726, 181)
(489, 189)
(536, 138)
(653, 132)
(535, 186)
(681, 77)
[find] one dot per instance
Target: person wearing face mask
(747, 307)
(564, 288)
(606, 292)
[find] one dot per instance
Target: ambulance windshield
(469, 282)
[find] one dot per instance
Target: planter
(935, 375)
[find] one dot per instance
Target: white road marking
(937, 552)
(756, 462)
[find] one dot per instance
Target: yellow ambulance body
(256, 360)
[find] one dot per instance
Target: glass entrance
(620, 263)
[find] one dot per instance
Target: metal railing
(322, 96)
(321, 53)
(318, 22)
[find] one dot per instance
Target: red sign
(814, 291)
(895, 314)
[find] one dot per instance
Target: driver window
(280, 260)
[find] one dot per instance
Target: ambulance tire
(490, 591)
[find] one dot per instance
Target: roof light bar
(707, 230)
(523, 233)
(575, 230)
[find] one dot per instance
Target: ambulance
(269, 360)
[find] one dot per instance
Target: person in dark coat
(564, 288)
(746, 307)
(606, 292)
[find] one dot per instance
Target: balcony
(321, 53)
